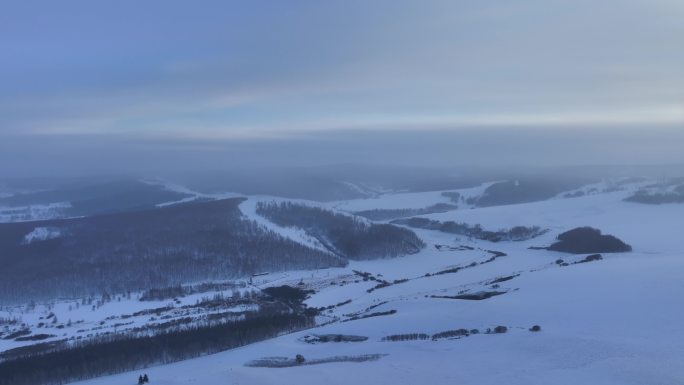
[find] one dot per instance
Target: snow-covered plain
(612, 321)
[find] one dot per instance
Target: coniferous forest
(131, 251)
(348, 236)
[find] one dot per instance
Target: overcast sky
(173, 77)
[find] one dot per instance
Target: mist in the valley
(317, 166)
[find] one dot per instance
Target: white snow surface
(81, 321)
(33, 212)
(42, 234)
(613, 321)
(248, 209)
(193, 195)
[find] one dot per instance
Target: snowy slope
(78, 320)
(248, 208)
(613, 321)
(415, 200)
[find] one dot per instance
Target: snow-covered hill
(610, 321)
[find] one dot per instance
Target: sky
(97, 86)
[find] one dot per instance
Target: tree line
(116, 354)
(516, 233)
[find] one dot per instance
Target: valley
(460, 302)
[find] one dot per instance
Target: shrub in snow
(591, 258)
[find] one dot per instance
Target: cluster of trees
(347, 236)
(325, 338)
(387, 214)
(285, 362)
(453, 196)
(517, 233)
(478, 296)
(159, 294)
(287, 294)
(526, 190)
(657, 198)
(9, 321)
(371, 315)
(115, 354)
(406, 337)
(584, 240)
(137, 250)
(494, 255)
(453, 334)
(456, 333)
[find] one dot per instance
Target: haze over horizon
(386, 192)
(89, 88)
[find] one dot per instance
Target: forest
(119, 353)
(516, 233)
(526, 190)
(584, 240)
(676, 195)
(137, 250)
(347, 236)
(387, 214)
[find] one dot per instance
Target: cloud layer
(229, 70)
